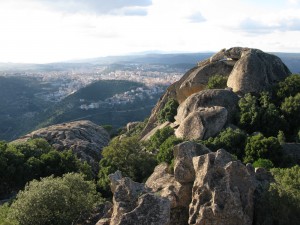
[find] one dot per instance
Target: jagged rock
(85, 138)
(133, 204)
(208, 98)
(223, 191)
(163, 182)
(179, 195)
(254, 70)
(183, 160)
(202, 123)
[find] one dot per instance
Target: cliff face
(248, 70)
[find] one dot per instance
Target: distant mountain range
(292, 60)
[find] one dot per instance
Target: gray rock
(179, 195)
(255, 71)
(223, 191)
(133, 204)
(202, 123)
(85, 138)
(208, 98)
(183, 160)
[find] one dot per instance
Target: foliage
(22, 162)
(280, 204)
(260, 114)
(128, 156)
(108, 128)
(232, 140)
(285, 196)
(259, 146)
(289, 87)
(291, 110)
(158, 138)
(59, 201)
(169, 111)
(165, 153)
(4, 212)
(281, 137)
(217, 82)
(263, 163)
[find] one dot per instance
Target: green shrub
(259, 146)
(165, 153)
(4, 213)
(169, 111)
(232, 140)
(128, 156)
(158, 138)
(289, 87)
(22, 162)
(263, 163)
(59, 201)
(217, 82)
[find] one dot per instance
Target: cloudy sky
(42, 31)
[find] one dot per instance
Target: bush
(259, 146)
(217, 82)
(169, 111)
(165, 153)
(158, 138)
(22, 162)
(4, 213)
(59, 201)
(128, 156)
(285, 196)
(263, 163)
(233, 141)
(289, 87)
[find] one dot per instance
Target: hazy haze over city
(42, 31)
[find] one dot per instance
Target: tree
(169, 111)
(59, 201)
(285, 196)
(263, 163)
(158, 138)
(232, 140)
(289, 87)
(217, 82)
(259, 146)
(165, 153)
(128, 156)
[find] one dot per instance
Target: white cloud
(44, 30)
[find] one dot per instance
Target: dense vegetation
(169, 111)
(61, 200)
(280, 205)
(128, 156)
(23, 162)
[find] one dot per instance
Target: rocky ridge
(248, 70)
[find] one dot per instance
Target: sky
(43, 31)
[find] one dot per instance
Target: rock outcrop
(206, 188)
(202, 123)
(85, 138)
(223, 191)
(134, 204)
(254, 70)
(248, 70)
